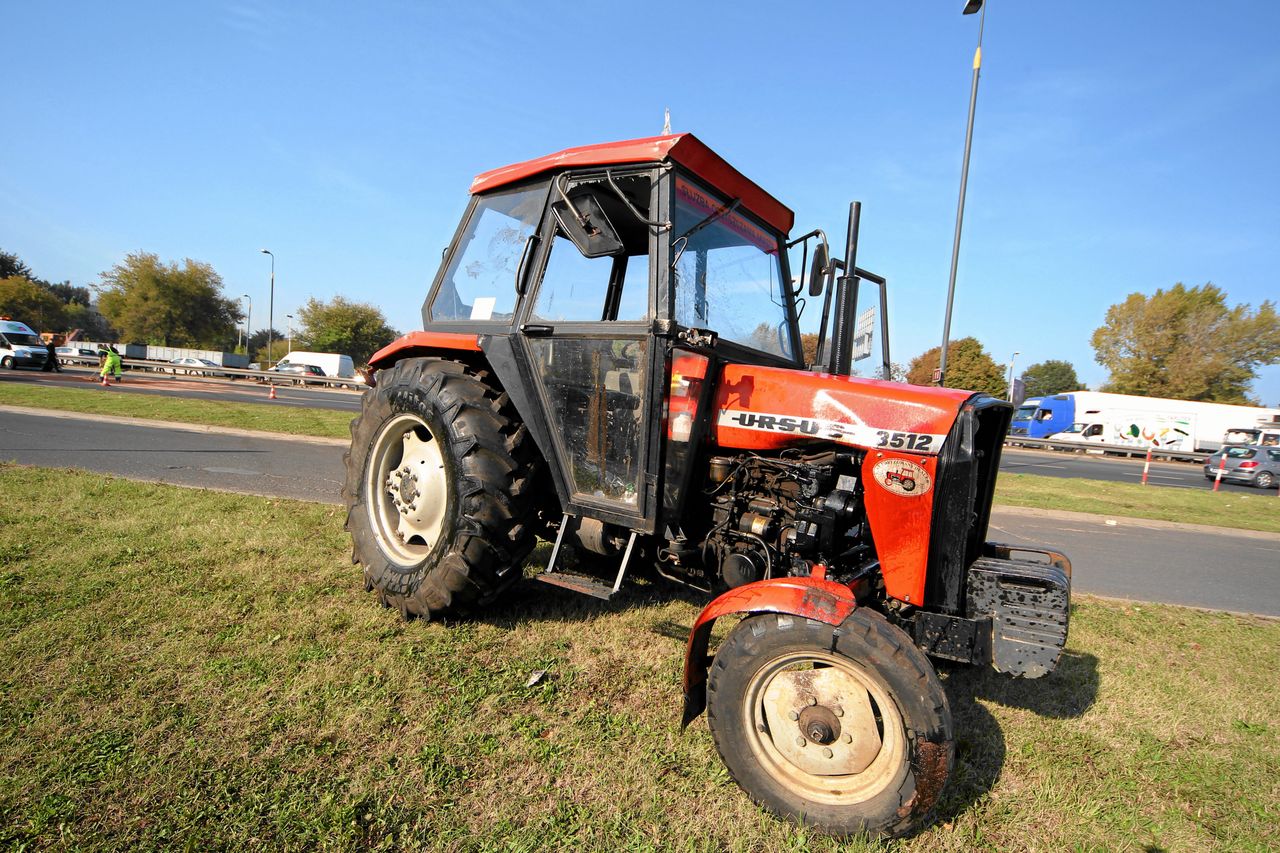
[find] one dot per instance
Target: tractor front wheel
(440, 489)
(851, 736)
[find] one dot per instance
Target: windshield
(1024, 413)
(1075, 428)
(727, 273)
(16, 339)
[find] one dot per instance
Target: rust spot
(931, 764)
(819, 604)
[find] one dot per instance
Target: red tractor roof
(683, 148)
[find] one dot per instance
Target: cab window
(480, 281)
(727, 272)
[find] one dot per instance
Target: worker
(111, 364)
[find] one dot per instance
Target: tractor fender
(810, 598)
(439, 344)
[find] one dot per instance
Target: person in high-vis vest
(111, 364)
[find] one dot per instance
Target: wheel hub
(408, 489)
(823, 708)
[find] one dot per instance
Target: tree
(24, 300)
(68, 293)
(968, 367)
(11, 266)
(357, 329)
(1186, 343)
(1050, 377)
(168, 304)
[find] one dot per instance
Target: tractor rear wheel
(846, 730)
(440, 489)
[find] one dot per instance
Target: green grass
(123, 401)
(187, 669)
(1247, 511)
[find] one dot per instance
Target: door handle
(536, 330)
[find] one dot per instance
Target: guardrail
(219, 372)
(1108, 450)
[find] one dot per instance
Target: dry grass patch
(196, 669)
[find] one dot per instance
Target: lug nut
(793, 716)
(801, 741)
(848, 738)
(826, 752)
(812, 701)
(839, 711)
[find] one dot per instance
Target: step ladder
(584, 583)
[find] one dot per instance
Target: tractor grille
(962, 508)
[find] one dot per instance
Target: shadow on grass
(1066, 693)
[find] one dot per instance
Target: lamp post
(290, 317)
(1016, 353)
(271, 305)
(248, 329)
(969, 8)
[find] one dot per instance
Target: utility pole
(970, 7)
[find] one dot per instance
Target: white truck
(20, 346)
(335, 365)
(1128, 422)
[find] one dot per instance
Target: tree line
(143, 299)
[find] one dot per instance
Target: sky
(1118, 147)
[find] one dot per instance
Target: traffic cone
(272, 395)
(105, 384)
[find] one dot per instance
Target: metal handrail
(1156, 453)
(218, 371)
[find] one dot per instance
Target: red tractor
(611, 358)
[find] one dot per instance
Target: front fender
(440, 344)
(811, 598)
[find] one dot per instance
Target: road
(1125, 558)
(1114, 469)
(169, 385)
(1015, 460)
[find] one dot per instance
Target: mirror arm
(582, 220)
(652, 223)
(522, 271)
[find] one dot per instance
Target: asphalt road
(1125, 558)
(1116, 469)
(170, 385)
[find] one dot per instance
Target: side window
(480, 283)
(577, 289)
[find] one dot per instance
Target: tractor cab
(598, 279)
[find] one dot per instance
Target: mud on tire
(441, 484)
(865, 681)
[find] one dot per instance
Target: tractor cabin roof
(683, 148)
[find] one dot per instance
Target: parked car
(298, 373)
(77, 355)
(1252, 465)
(194, 366)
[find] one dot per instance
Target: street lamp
(248, 329)
(271, 305)
(290, 316)
(1016, 353)
(969, 8)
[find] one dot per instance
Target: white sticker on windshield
(482, 308)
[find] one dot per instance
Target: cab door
(585, 333)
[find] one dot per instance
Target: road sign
(862, 334)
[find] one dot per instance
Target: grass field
(122, 402)
(1256, 510)
(185, 669)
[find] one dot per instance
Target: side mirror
(583, 220)
(818, 272)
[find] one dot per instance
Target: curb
(174, 425)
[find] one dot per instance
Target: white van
(335, 365)
(20, 346)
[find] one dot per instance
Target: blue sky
(1119, 147)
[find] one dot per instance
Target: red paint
(808, 598)
(422, 343)
(683, 148)
(900, 527)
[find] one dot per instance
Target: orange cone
(272, 395)
(105, 384)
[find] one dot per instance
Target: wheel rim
(1265, 480)
(825, 727)
(407, 489)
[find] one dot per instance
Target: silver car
(1252, 465)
